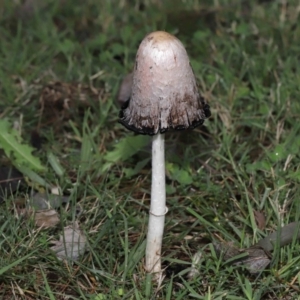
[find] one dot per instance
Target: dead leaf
(46, 218)
(255, 259)
(260, 219)
(41, 201)
(195, 268)
(71, 244)
(61, 99)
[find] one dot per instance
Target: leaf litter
(41, 201)
(42, 207)
(71, 244)
(46, 218)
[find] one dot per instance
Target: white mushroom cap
(164, 92)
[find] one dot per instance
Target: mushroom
(164, 97)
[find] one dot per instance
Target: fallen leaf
(41, 201)
(46, 218)
(255, 259)
(60, 98)
(260, 219)
(195, 268)
(71, 244)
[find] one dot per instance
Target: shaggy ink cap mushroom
(164, 92)
(164, 96)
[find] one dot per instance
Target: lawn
(233, 180)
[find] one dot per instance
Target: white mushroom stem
(157, 207)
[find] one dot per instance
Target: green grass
(246, 59)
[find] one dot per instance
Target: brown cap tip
(164, 91)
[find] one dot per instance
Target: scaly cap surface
(164, 91)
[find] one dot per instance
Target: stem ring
(159, 215)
